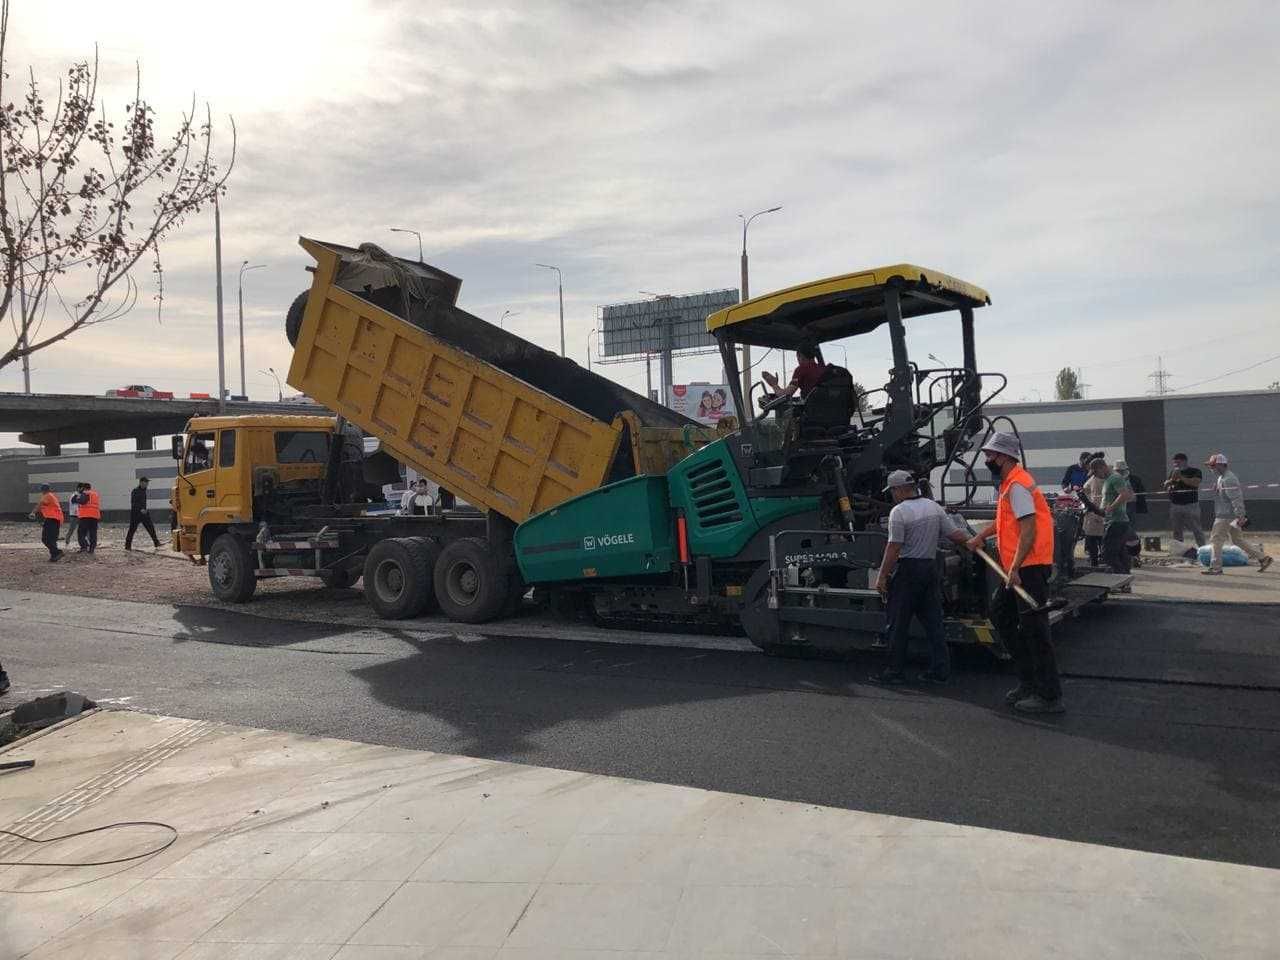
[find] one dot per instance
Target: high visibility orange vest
(1007, 527)
(91, 509)
(50, 508)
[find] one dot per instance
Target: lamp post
(505, 314)
(244, 266)
(415, 233)
(560, 287)
(279, 388)
(217, 266)
(590, 334)
(746, 295)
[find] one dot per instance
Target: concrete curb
(46, 730)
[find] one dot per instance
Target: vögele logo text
(608, 540)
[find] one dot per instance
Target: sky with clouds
(1108, 171)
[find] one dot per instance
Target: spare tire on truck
(471, 583)
(231, 569)
(397, 578)
(293, 319)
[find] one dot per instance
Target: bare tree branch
(81, 203)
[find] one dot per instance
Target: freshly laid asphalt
(1171, 742)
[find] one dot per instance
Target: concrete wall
(113, 475)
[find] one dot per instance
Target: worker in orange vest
(50, 512)
(90, 516)
(1023, 529)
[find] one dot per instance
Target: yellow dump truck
(510, 428)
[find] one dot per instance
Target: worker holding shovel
(1023, 529)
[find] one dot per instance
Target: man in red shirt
(809, 370)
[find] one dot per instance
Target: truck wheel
(231, 569)
(516, 589)
(430, 557)
(337, 579)
(397, 579)
(293, 319)
(759, 623)
(471, 583)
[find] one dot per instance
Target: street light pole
(244, 265)
(505, 314)
(279, 388)
(590, 334)
(415, 233)
(560, 287)
(746, 295)
(217, 266)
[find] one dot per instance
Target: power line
(1230, 373)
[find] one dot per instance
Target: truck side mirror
(175, 445)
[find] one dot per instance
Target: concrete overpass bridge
(52, 419)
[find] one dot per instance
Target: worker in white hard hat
(1229, 517)
(909, 579)
(1023, 529)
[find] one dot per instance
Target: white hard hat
(1217, 460)
(1005, 443)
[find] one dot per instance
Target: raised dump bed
(504, 424)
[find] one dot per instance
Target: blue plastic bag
(1232, 556)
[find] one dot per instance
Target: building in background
(1146, 432)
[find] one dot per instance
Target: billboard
(660, 324)
(705, 402)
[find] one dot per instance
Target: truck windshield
(301, 446)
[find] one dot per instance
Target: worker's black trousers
(89, 533)
(915, 590)
(1114, 552)
(145, 520)
(49, 535)
(1026, 633)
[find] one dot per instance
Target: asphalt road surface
(1171, 742)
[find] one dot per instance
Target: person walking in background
(1078, 473)
(416, 501)
(1023, 529)
(73, 514)
(909, 579)
(90, 517)
(1116, 495)
(140, 515)
(1229, 518)
(1132, 542)
(1094, 523)
(49, 510)
(1183, 486)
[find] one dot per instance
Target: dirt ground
(165, 577)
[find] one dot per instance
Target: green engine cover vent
(714, 499)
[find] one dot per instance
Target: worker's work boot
(1020, 692)
(1264, 563)
(1211, 572)
(1038, 704)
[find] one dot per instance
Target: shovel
(1019, 590)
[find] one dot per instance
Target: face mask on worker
(994, 467)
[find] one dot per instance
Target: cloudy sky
(1107, 171)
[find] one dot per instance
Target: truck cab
(244, 470)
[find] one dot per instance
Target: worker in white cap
(909, 579)
(1229, 517)
(1023, 529)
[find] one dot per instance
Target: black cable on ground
(82, 833)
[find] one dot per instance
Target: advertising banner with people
(705, 402)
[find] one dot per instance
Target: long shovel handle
(1019, 590)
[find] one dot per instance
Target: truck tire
(471, 583)
(231, 568)
(397, 579)
(516, 589)
(293, 319)
(431, 556)
(338, 579)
